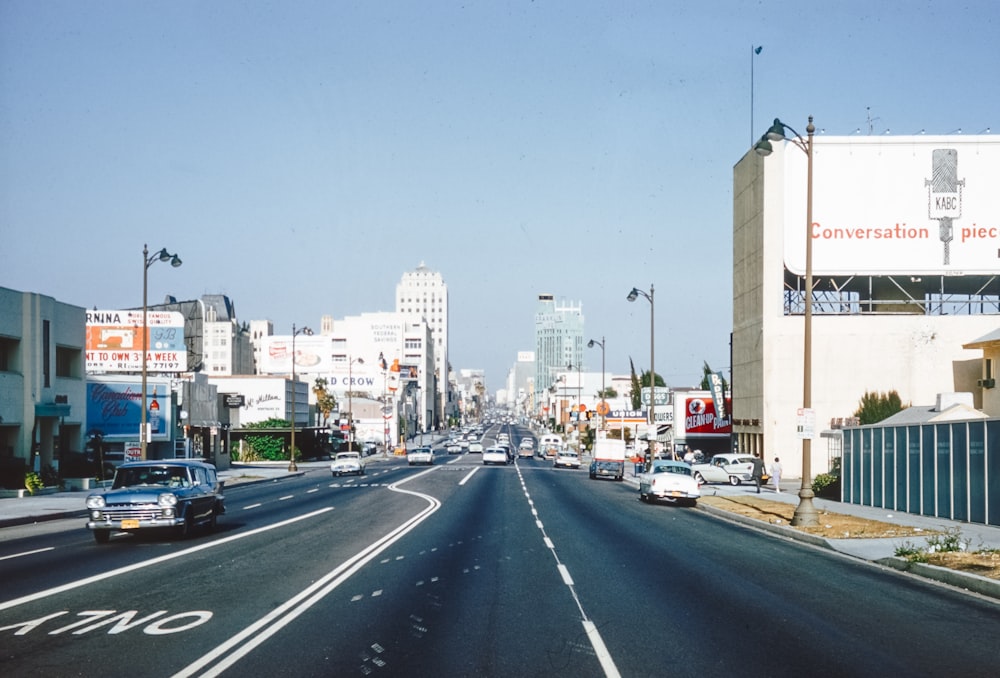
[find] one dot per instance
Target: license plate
(675, 493)
(130, 524)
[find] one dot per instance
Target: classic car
(670, 480)
(178, 495)
(725, 468)
(420, 455)
(567, 458)
(348, 463)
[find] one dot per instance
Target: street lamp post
(291, 452)
(600, 401)
(805, 513)
(350, 401)
(632, 296)
(147, 261)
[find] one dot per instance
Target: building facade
(42, 382)
(904, 239)
(422, 296)
(559, 341)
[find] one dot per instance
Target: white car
(567, 458)
(725, 468)
(475, 447)
(454, 448)
(670, 480)
(495, 455)
(348, 463)
(420, 455)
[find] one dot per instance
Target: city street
(457, 569)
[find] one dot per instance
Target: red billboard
(700, 419)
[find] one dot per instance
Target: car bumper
(130, 524)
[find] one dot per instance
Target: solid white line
(28, 553)
(153, 561)
(469, 475)
(603, 656)
(265, 627)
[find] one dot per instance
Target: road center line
(28, 553)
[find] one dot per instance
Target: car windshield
(672, 468)
(162, 476)
(348, 455)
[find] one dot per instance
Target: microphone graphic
(944, 194)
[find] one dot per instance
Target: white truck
(609, 459)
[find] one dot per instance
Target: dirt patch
(843, 526)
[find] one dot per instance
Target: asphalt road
(465, 570)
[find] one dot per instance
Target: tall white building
(422, 296)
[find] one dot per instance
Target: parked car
(495, 455)
(420, 455)
(725, 468)
(175, 495)
(567, 458)
(670, 480)
(348, 463)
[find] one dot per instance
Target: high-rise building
(558, 340)
(422, 296)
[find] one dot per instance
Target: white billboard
(115, 341)
(895, 205)
(315, 355)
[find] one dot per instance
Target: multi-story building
(904, 264)
(422, 296)
(558, 341)
(42, 382)
(218, 345)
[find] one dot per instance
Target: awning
(54, 410)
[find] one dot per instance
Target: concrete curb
(963, 580)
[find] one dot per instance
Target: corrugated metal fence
(948, 470)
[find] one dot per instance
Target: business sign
(115, 341)
(700, 418)
(234, 400)
(895, 205)
(114, 408)
(716, 386)
(662, 396)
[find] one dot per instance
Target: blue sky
(300, 156)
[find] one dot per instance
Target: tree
(636, 395)
(876, 406)
(607, 393)
(326, 403)
(266, 446)
(706, 384)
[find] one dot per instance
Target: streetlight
(350, 402)
(385, 404)
(601, 406)
(291, 454)
(632, 296)
(147, 261)
(805, 513)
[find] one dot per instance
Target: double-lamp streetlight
(805, 513)
(291, 452)
(601, 405)
(632, 296)
(147, 261)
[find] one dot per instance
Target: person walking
(776, 474)
(758, 470)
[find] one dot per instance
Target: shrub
(33, 482)
(826, 485)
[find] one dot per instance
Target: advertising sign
(662, 396)
(115, 341)
(114, 409)
(897, 205)
(700, 418)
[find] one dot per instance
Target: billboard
(113, 408)
(115, 341)
(895, 205)
(700, 418)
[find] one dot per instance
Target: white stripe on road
(153, 561)
(28, 553)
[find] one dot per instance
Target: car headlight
(167, 499)
(95, 501)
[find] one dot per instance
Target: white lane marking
(564, 573)
(603, 656)
(287, 496)
(250, 506)
(244, 642)
(315, 489)
(28, 553)
(468, 475)
(6, 605)
(548, 543)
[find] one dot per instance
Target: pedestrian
(758, 470)
(689, 456)
(776, 474)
